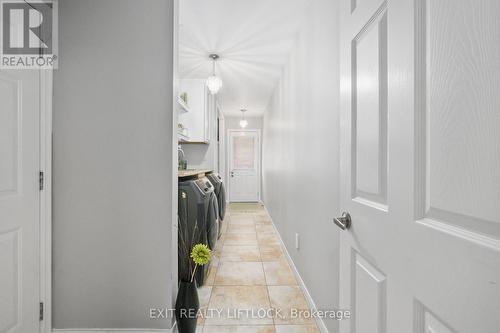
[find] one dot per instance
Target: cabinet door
(196, 120)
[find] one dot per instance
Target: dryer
(220, 192)
(213, 227)
(212, 221)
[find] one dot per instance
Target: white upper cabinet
(194, 111)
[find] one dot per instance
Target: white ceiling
(253, 39)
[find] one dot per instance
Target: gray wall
(113, 185)
(301, 154)
(199, 155)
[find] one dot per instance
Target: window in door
(244, 152)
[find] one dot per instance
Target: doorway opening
(244, 163)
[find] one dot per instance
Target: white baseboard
(111, 330)
(310, 301)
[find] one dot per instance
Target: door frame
(45, 199)
(221, 154)
(259, 164)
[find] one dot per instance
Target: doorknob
(343, 222)
(232, 174)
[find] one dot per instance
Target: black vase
(186, 307)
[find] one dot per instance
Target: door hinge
(41, 312)
(41, 180)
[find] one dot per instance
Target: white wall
(301, 154)
(113, 164)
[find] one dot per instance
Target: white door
(421, 166)
(244, 166)
(19, 201)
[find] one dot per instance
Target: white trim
(228, 155)
(222, 144)
(45, 202)
(111, 330)
(462, 233)
(302, 285)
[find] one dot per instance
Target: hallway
(367, 132)
(250, 271)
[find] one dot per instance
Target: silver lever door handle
(343, 222)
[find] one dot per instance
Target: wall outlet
(297, 241)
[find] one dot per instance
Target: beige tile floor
(250, 271)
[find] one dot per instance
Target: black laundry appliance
(197, 216)
(220, 192)
(213, 215)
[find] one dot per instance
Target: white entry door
(421, 166)
(244, 166)
(19, 201)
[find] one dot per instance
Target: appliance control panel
(204, 185)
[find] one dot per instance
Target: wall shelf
(183, 106)
(182, 138)
(194, 142)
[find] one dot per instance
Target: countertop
(193, 173)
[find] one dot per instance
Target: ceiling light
(243, 121)
(214, 83)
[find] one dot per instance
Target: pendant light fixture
(214, 83)
(243, 121)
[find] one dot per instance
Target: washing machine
(220, 192)
(196, 215)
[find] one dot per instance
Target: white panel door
(244, 166)
(420, 166)
(19, 201)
